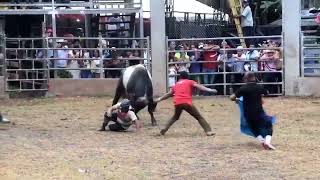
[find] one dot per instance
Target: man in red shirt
(182, 98)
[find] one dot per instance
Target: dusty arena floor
(57, 139)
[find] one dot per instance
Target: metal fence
(226, 70)
(31, 62)
(1, 55)
(199, 25)
(310, 58)
(78, 7)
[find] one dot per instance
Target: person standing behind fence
(85, 63)
(252, 55)
(183, 60)
(271, 62)
(62, 61)
(247, 22)
(195, 67)
(74, 56)
(239, 58)
(210, 56)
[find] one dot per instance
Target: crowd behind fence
(52, 4)
(214, 63)
(36, 60)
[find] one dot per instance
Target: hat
(125, 105)
(269, 51)
(239, 48)
(60, 40)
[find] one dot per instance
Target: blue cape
(244, 127)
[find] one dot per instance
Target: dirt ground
(57, 138)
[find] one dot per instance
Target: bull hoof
(154, 124)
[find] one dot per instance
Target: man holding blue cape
(259, 124)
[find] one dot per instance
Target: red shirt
(210, 56)
(183, 92)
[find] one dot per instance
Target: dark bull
(135, 84)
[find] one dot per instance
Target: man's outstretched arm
(165, 96)
(203, 88)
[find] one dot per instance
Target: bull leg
(153, 120)
(119, 92)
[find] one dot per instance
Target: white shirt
(253, 56)
(246, 17)
(63, 56)
(126, 119)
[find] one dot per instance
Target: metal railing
(31, 62)
(310, 56)
(72, 7)
(2, 45)
(227, 72)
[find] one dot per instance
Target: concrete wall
(82, 87)
(307, 86)
(2, 89)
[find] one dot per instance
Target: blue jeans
(209, 78)
(85, 74)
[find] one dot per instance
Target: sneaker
(4, 120)
(210, 133)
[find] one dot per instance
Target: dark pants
(260, 125)
(272, 78)
(113, 127)
(192, 110)
(248, 31)
(85, 74)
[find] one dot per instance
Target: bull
(135, 84)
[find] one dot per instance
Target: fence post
(167, 64)
(224, 43)
(5, 75)
(101, 56)
(148, 55)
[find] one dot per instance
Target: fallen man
(122, 116)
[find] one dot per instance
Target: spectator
(247, 21)
(114, 26)
(195, 67)
(210, 55)
(239, 58)
(172, 75)
(96, 63)
(114, 63)
(74, 56)
(271, 61)
(252, 55)
(227, 56)
(318, 28)
(183, 62)
(134, 58)
(85, 63)
(62, 62)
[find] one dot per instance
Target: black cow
(135, 84)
